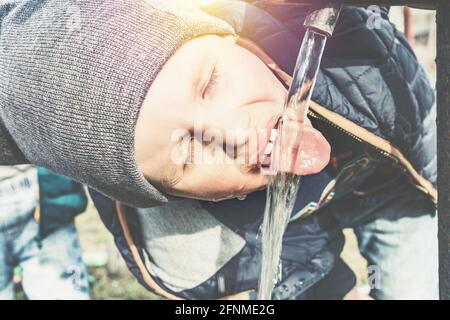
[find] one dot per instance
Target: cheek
(248, 80)
(257, 74)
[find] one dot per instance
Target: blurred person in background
(37, 234)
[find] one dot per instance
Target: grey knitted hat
(85, 67)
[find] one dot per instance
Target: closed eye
(208, 90)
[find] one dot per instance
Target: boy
(110, 153)
(210, 250)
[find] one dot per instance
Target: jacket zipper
(332, 124)
(394, 160)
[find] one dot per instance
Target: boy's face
(215, 91)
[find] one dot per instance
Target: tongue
(303, 150)
(313, 153)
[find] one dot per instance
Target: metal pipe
(422, 4)
(323, 16)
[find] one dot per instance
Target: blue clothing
(400, 241)
(60, 200)
(52, 267)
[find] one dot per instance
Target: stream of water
(283, 187)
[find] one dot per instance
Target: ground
(109, 277)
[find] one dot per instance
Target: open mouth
(303, 149)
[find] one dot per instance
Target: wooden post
(443, 132)
(408, 25)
